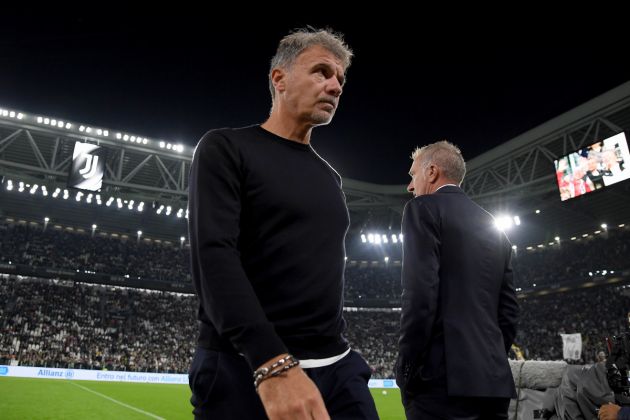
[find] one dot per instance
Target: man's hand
(608, 412)
(291, 395)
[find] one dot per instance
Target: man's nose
(334, 88)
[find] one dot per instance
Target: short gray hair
(292, 45)
(444, 155)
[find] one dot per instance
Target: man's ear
(278, 77)
(433, 173)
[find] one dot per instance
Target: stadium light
(514, 247)
(537, 211)
(604, 226)
(622, 225)
(517, 220)
(94, 226)
(386, 260)
(557, 239)
(384, 239)
(371, 238)
(363, 238)
(503, 223)
(394, 239)
(139, 233)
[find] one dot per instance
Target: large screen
(88, 167)
(594, 167)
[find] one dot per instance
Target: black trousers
(429, 400)
(223, 388)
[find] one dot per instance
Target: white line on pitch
(131, 407)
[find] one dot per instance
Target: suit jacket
(459, 308)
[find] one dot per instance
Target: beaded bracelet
(276, 369)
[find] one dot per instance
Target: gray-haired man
(267, 225)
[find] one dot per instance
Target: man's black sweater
(267, 221)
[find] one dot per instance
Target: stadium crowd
(57, 323)
(566, 262)
(61, 249)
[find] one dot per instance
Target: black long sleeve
(267, 221)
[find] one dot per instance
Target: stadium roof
(515, 178)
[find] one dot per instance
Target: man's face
(418, 184)
(312, 86)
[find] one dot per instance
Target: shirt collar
(446, 185)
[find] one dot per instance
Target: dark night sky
(176, 78)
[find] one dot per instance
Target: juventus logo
(91, 166)
(87, 167)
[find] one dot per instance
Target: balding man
(459, 308)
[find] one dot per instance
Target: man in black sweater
(267, 221)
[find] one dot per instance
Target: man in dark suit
(459, 308)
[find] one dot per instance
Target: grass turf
(24, 398)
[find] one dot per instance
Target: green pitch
(22, 398)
